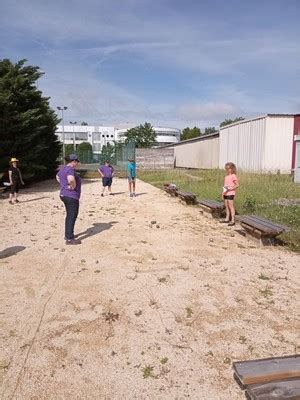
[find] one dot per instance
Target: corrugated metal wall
(279, 143)
(244, 144)
(202, 153)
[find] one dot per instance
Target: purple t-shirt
(64, 191)
(107, 171)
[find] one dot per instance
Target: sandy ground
(139, 310)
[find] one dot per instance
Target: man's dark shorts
(229, 197)
(14, 188)
(106, 182)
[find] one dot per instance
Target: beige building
(201, 152)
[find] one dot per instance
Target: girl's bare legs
(133, 187)
(231, 210)
(227, 218)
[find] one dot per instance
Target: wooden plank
(213, 204)
(261, 225)
(267, 370)
(287, 389)
(267, 222)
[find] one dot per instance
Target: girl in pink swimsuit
(229, 190)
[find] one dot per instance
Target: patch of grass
(162, 280)
(267, 292)
(148, 372)
(257, 194)
(164, 360)
(189, 312)
(242, 339)
(263, 277)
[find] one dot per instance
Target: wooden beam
(267, 370)
(284, 390)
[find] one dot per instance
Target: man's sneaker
(131, 194)
(231, 223)
(73, 242)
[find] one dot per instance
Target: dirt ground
(156, 302)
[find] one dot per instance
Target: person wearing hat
(15, 180)
(131, 174)
(70, 191)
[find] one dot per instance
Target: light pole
(62, 109)
(74, 145)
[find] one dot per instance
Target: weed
(189, 312)
(110, 317)
(227, 360)
(164, 360)
(162, 280)
(209, 353)
(263, 277)
(249, 204)
(148, 372)
(242, 339)
(267, 292)
(250, 348)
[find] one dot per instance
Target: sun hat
(14, 159)
(73, 157)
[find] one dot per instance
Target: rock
(157, 226)
(153, 222)
(138, 313)
(131, 275)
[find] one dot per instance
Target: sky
(172, 63)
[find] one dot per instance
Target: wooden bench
(269, 378)
(260, 229)
(170, 189)
(188, 197)
(213, 207)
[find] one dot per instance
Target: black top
(15, 174)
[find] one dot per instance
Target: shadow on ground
(95, 229)
(11, 251)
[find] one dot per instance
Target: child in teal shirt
(131, 173)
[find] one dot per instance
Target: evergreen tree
(27, 123)
(190, 133)
(141, 136)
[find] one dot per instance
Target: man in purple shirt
(107, 172)
(70, 190)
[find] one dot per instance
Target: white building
(259, 144)
(98, 136)
(164, 136)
